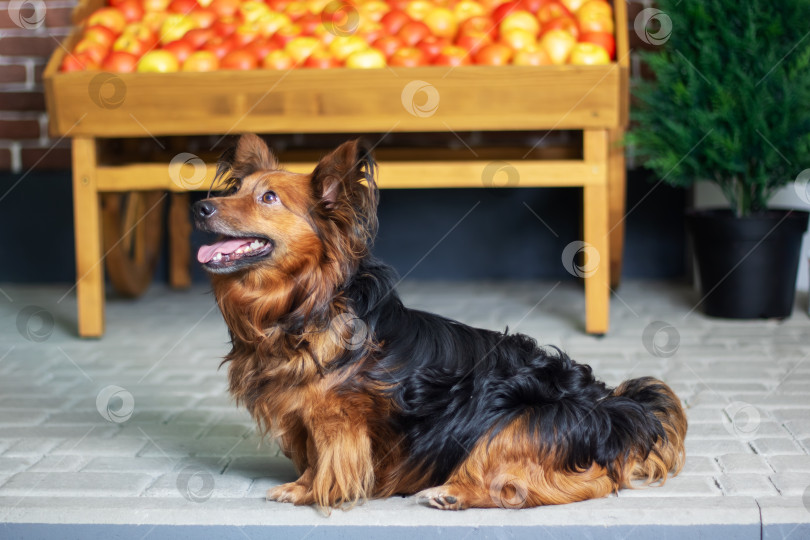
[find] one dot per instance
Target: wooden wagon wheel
(133, 228)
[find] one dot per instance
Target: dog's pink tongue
(206, 253)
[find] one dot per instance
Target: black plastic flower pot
(747, 266)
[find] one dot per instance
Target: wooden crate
(593, 99)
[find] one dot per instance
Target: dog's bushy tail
(664, 427)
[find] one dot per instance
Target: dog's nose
(204, 209)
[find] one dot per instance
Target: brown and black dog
(369, 398)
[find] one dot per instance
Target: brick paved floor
(136, 430)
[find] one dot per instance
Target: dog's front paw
(292, 492)
(442, 497)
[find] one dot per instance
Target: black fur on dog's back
(454, 384)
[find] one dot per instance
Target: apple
(452, 55)
(120, 62)
(574, 5)
(595, 20)
(238, 60)
(309, 24)
(603, 39)
(465, 9)
(197, 37)
(432, 45)
(588, 54)
(203, 17)
(494, 54)
(218, 46)
(183, 7)
(278, 59)
(175, 27)
(344, 46)
(531, 56)
(321, 59)
(243, 35)
(225, 26)
(518, 39)
(442, 22)
(261, 47)
(301, 47)
(413, 32)
(100, 34)
(408, 57)
(155, 5)
(371, 31)
(552, 10)
(272, 22)
(158, 62)
(418, 9)
(225, 8)
(520, 20)
(567, 24)
(478, 25)
(94, 50)
(201, 61)
(473, 43)
(142, 32)
(154, 20)
(78, 62)
(130, 44)
(373, 10)
(558, 45)
(181, 49)
(388, 45)
(110, 17)
(132, 10)
(393, 21)
(366, 59)
(295, 10)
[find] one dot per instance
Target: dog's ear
(346, 176)
(250, 155)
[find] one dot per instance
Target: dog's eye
(269, 197)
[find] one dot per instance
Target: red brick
(39, 69)
(22, 101)
(58, 17)
(12, 73)
(42, 158)
(5, 159)
(19, 129)
(27, 46)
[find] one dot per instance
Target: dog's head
(275, 220)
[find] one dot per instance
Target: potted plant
(730, 104)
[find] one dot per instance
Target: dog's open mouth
(231, 253)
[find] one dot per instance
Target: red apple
(442, 22)
(518, 39)
(520, 20)
(465, 9)
(203, 17)
(394, 20)
(239, 60)
(321, 59)
(201, 61)
(278, 60)
(603, 39)
(366, 59)
(217, 45)
(418, 9)
(272, 22)
(155, 5)
(552, 10)
(180, 49)
(309, 24)
(494, 54)
(198, 37)
(301, 47)
(110, 17)
(78, 62)
(286, 34)
(473, 43)
(344, 46)
(261, 47)
(225, 26)
(588, 54)
(413, 32)
(130, 44)
(132, 10)
(225, 8)
(408, 57)
(388, 45)
(432, 45)
(158, 62)
(184, 7)
(478, 26)
(100, 34)
(120, 62)
(95, 51)
(373, 10)
(567, 24)
(452, 55)
(531, 56)
(500, 12)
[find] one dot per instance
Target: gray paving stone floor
(134, 436)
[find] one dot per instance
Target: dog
(370, 399)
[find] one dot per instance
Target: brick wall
(29, 32)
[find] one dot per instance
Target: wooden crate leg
(179, 241)
(595, 209)
(87, 225)
(617, 182)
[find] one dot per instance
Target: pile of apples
(208, 35)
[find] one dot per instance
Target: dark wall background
(499, 239)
